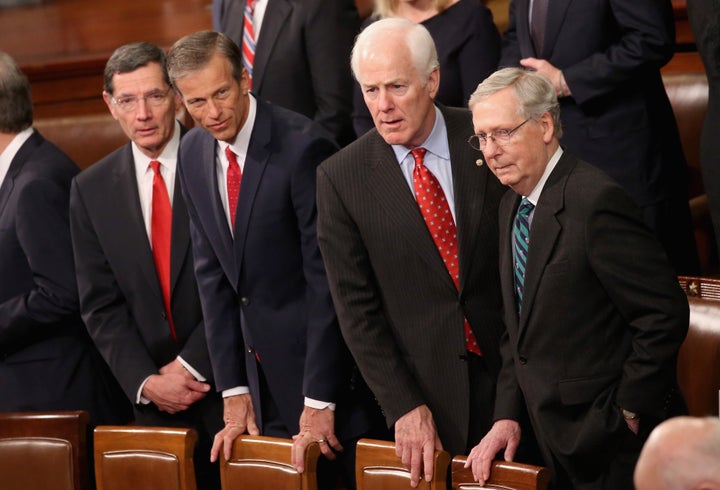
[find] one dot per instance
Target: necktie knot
(525, 208)
(250, 4)
(155, 165)
(419, 155)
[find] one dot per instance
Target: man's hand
(173, 392)
(550, 72)
(175, 366)
(505, 434)
(315, 426)
(239, 417)
(416, 440)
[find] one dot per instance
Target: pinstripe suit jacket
(399, 310)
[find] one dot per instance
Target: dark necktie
(521, 245)
(234, 176)
(538, 24)
(439, 221)
(248, 39)
(160, 232)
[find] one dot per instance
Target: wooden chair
(377, 467)
(504, 475)
(135, 458)
(264, 463)
(698, 373)
(42, 450)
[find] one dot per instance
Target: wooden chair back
(377, 467)
(505, 475)
(264, 463)
(134, 458)
(699, 358)
(41, 450)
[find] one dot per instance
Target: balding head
(682, 453)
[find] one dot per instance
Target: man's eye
(126, 101)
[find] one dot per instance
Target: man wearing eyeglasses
(407, 224)
(131, 240)
(594, 314)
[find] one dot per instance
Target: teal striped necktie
(521, 244)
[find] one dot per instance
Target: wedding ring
(320, 441)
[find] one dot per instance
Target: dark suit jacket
(399, 310)
(618, 117)
(265, 291)
(47, 360)
(602, 320)
(120, 295)
(302, 58)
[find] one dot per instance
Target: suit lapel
(16, 165)
(391, 191)
(555, 18)
(255, 164)
(508, 208)
(544, 231)
(276, 14)
(522, 25)
(127, 215)
(180, 240)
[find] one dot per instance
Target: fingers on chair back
(264, 463)
(134, 458)
(378, 467)
(503, 475)
(42, 450)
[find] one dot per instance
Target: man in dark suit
(604, 59)
(594, 314)
(145, 319)
(422, 319)
(47, 359)
(248, 174)
(306, 42)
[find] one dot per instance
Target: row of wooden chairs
(48, 450)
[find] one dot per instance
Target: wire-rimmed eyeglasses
(500, 137)
(129, 103)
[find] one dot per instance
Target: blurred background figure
(47, 360)
(296, 53)
(604, 59)
(466, 39)
(682, 453)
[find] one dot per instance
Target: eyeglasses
(500, 137)
(130, 102)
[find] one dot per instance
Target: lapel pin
(479, 162)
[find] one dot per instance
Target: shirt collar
(534, 196)
(242, 140)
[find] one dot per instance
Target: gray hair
(15, 99)
(192, 52)
(417, 40)
(130, 57)
(534, 92)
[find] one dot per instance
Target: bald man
(682, 453)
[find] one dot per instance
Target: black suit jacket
(264, 292)
(399, 310)
(602, 320)
(47, 360)
(120, 295)
(302, 59)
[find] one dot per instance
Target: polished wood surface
(507, 475)
(62, 45)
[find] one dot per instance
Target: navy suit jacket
(302, 60)
(47, 359)
(120, 296)
(265, 292)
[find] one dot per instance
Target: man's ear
(108, 101)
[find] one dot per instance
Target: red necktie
(248, 39)
(234, 176)
(438, 218)
(160, 232)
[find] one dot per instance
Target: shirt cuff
(319, 405)
(238, 390)
(139, 399)
(192, 371)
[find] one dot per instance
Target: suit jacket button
(250, 349)
(522, 360)
(244, 301)
(164, 315)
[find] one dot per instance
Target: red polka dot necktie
(160, 235)
(439, 221)
(234, 176)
